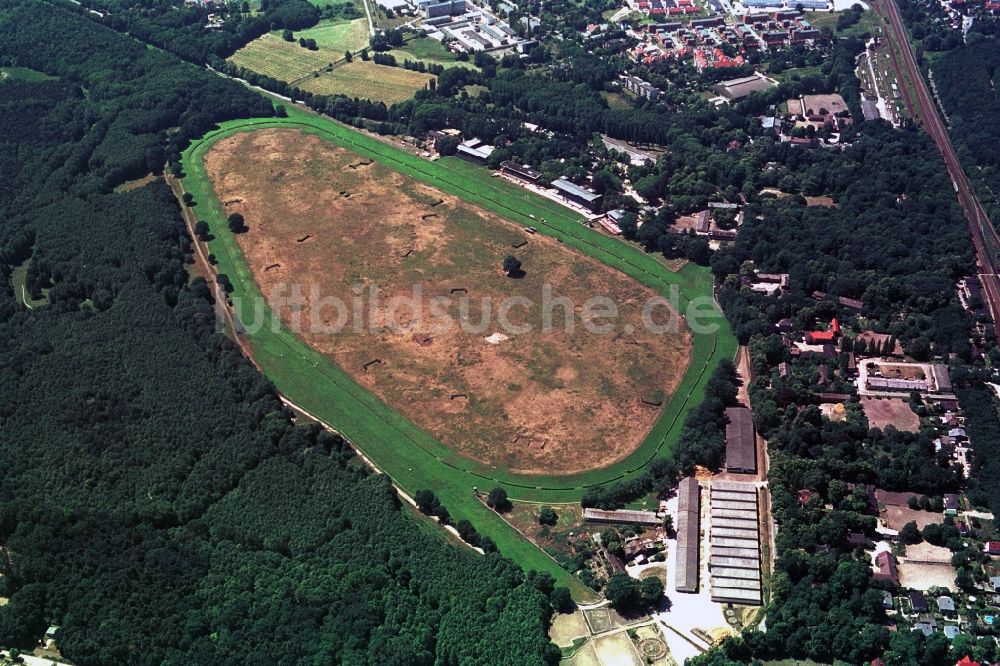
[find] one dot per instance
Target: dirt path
(221, 299)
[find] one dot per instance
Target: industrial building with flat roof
(741, 446)
(734, 555)
(688, 535)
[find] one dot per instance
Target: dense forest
(964, 79)
(179, 27)
(156, 501)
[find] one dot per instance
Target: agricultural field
(366, 80)
(323, 72)
(286, 61)
(559, 401)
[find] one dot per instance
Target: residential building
(641, 88)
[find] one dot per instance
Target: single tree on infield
(236, 223)
(426, 501)
(201, 229)
(511, 265)
(497, 500)
(547, 516)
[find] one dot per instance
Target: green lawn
(429, 51)
(409, 455)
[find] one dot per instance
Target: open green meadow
(338, 36)
(409, 455)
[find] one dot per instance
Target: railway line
(921, 106)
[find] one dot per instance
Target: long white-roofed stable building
(734, 543)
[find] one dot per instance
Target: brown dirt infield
(883, 412)
(552, 402)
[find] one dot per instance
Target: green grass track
(411, 456)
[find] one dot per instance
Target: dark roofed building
(942, 378)
(918, 602)
(887, 570)
(703, 222)
(522, 171)
(741, 447)
(688, 541)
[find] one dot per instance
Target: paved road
(984, 237)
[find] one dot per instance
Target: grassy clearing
(410, 456)
(616, 101)
(475, 90)
(17, 281)
(338, 36)
(23, 74)
(868, 23)
(367, 80)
